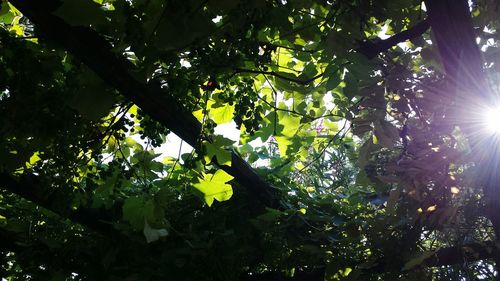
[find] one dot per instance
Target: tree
(363, 151)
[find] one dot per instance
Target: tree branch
(93, 50)
(276, 74)
(13, 242)
(470, 252)
(455, 37)
(442, 257)
(372, 48)
(312, 275)
(32, 189)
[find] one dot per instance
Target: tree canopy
(249, 140)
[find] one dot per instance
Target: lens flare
(491, 120)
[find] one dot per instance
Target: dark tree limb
(470, 252)
(312, 275)
(371, 49)
(455, 37)
(32, 189)
(93, 50)
(55, 259)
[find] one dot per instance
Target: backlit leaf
(290, 125)
(214, 186)
(222, 114)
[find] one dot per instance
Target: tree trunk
(453, 33)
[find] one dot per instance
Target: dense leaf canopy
(249, 140)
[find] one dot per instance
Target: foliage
(367, 156)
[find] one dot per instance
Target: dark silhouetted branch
(371, 49)
(93, 50)
(32, 189)
(455, 38)
(442, 257)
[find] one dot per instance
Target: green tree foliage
(359, 157)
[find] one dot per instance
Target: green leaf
(333, 81)
(214, 186)
(223, 156)
(339, 42)
(81, 12)
(219, 149)
(132, 211)
(177, 29)
(286, 83)
(136, 210)
(221, 6)
(271, 215)
(92, 99)
(309, 71)
(7, 14)
(289, 125)
(33, 159)
(222, 114)
(266, 130)
(106, 188)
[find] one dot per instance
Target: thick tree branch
(26, 246)
(372, 48)
(470, 252)
(312, 275)
(455, 37)
(93, 50)
(32, 189)
(369, 49)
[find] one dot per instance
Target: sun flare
(491, 120)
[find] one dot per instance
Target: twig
(289, 48)
(325, 148)
(176, 161)
(130, 165)
(272, 73)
